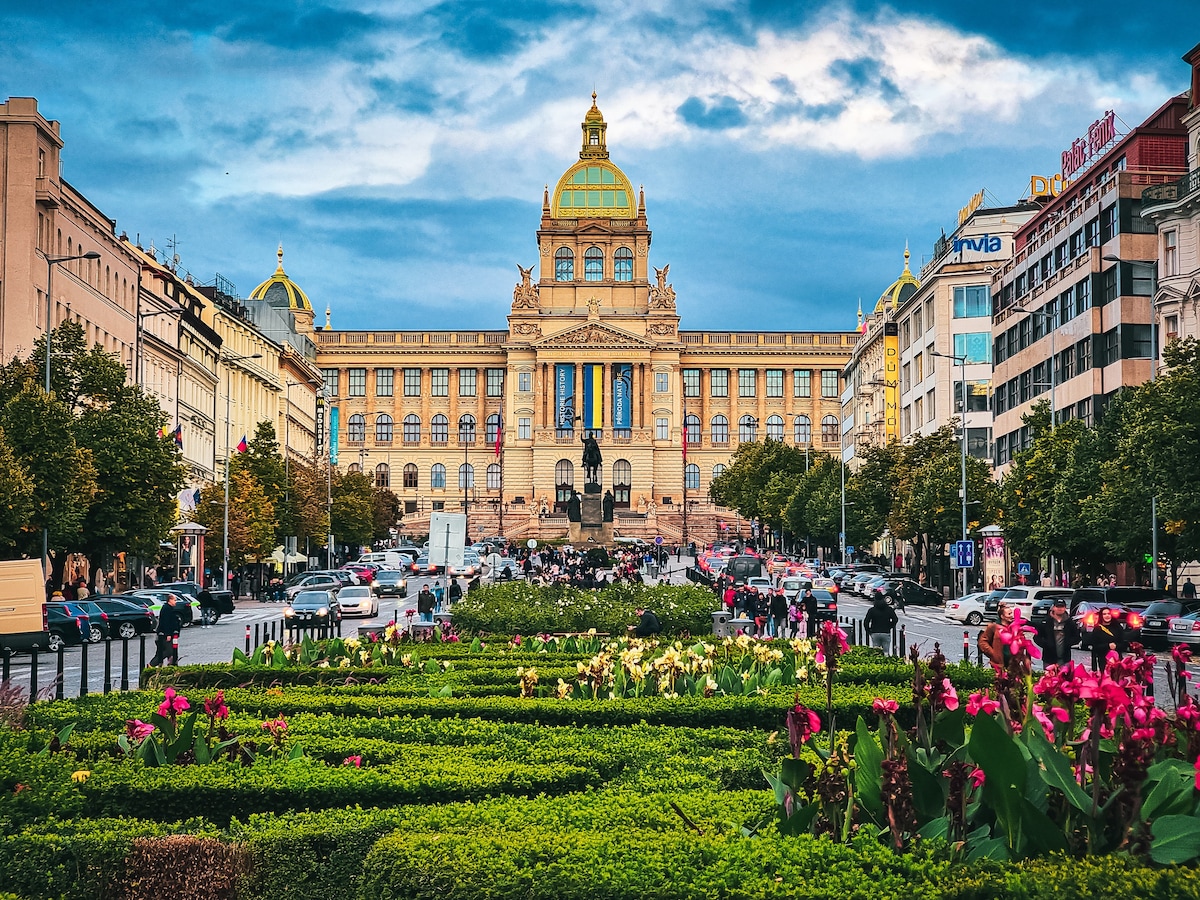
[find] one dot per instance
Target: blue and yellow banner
(333, 435)
(622, 414)
(593, 396)
(564, 395)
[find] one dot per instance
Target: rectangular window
(1108, 285)
(1111, 351)
(774, 382)
(1083, 296)
(356, 382)
(919, 411)
(1108, 223)
(976, 346)
(1060, 255)
(931, 406)
(801, 382)
(918, 330)
(691, 382)
(1171, 326)
(1170, 241)
(747, 382)
(906, 419)
(906, 377)
(331, 381)
(905, 334)
(524, 428)
(524, 382)
(830, 382)
(412, 382)
(977, 443)
(662, 382)
(1091, 233)
(918, 368)
(383, 382)
(439, 382)
(972, 301)
(718, 382)
(662, 429)
(1135, 342)
(466, 382)
(495, 382)
(977, 396)
(1076, 243)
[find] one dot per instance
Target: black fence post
(58, 687)
(83, 669)
(7, 663)
(903, 641)
(896, 640)
(966, 646)
(978, 652)
(141, 660)
(248, 637)
(33, 673)
(108, 665)
(124, 664)
(1150, 680)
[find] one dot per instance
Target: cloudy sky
(399, 149)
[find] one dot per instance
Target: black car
(826, 604)
(126, 619)
(312, 609)
(67, 626)
(906, 592)
(991, 606)
(100, 628)
(1158, 616)
(390, 583)
(1118, 595)
(222, 600)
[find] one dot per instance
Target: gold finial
(279, 254)
(593, 99)
(906, 256)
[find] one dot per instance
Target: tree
(746, 486)
(263, 460)
(16, 497)
(251, 521)
(353, 510)
(309, 501)
(387, 513)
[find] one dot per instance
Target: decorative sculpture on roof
(525, 294)
(662, 296)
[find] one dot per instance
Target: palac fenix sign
(1082, 151)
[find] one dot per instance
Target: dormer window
(594, 138)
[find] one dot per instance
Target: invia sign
(984, 243)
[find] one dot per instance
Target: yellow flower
(81, 776)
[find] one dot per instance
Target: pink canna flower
(215, 708)
(1198, 773)
(802, 724)
(885, 707)
(173, 704)
(137, 730)
(355, 761)
(981, 703)
(977, 778)
(949, 695)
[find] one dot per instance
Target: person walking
(169, 625)
(1057, 634)
(808, 603)
(1107, 637)
(425, 604)
(878, 623)
(779, 611)
(1189, 590)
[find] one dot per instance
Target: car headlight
(323, 611)
(374, 584)
(288, 612)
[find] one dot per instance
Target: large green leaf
(794, 772)
(1172, 791)
(868, 772)
(929, 793)
(1040, 833)
(1174, 839)
(1003, 765)
(950, 727)
(1056, 769)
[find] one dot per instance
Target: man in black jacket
(648, 624)
(878, 624)
(168, 634)
(1057, 634)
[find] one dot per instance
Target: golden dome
(899, 290)
(279, 290)
(594, 188)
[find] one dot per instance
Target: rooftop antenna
(173, 249)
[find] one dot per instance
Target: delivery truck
(22, 605)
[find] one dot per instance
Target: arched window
(622, 476)
(466, 429)
(564, 264)
(466, 476)
(356, 429)
(803, 430)
(383, 428)
(383, 476)
(691, 477)
(593, 264)
(718, 470)
(829, 430)
(720, 430)
(437, 477)
(412, 429)
(410, 475)
(493, 476)
(623, 264)
(439, 429)
(775, 428)
(692, 424)
(747, 429)
(354, 469)
(564, 483)
(492, 429)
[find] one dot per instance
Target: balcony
(1164, 194)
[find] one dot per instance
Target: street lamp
(1153, 267)
(51, 262)
(961, 361)
(228, 456)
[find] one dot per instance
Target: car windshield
(315, 598)
(354, 592)
(822, 595)
(1164, 608)
(1016, 594)
(388, 576)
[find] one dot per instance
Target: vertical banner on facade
(333, 435)
(891, 381)
(593, 396)
(564, 395)
(622, 392)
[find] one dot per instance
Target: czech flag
(242, 446)
(684, 435)
(499, 438)
(179, 436)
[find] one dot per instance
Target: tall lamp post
(228, 458)
(961, 362)
(51, 262)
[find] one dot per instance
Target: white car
(358, 600)
(968, 609)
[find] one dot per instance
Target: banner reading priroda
(593, 396)
(333, 435)
(564, 395)
(622, 395)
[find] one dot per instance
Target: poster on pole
(994, 570)
(447, 538)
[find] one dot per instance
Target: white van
(22, 604)
(400, 558)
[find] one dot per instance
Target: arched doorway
(564, 484)
(622, 479)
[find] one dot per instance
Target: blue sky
(398, 150)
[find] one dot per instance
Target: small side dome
(899, 290)
(279, 290)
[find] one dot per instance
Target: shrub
(182, 866)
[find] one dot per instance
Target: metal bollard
(58, 687)
(1150, 680)
(7, 664)
(174, 649)
(124, 664)
(966, 646)
(248, 637)
(33, 673)
(108, 665)
(83, 669)
(895, 638)
(903, 649)
(141, 660)
(978, 652)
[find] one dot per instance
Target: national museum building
(593, 346)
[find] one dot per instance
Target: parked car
(1087, 616)
(826, 604)
(390, 583)
(1024, 597)
(357, 600)
(314, 582)
(65, 627)
(125, 618)
(100, 629)
(968, 609)
(1185, 629)
(906, 592)
(761, 582)
(472, 566)
(1159, 615)
(222, 600)
(422, 566)
(313, 608)
(364, 573)
(857, 584)
(154, 598)
(991, 605)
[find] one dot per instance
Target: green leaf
(1173, 790)
(950, 727)
(1056, 769)
(929, 795)
(868, 771)
(1041, 834)
(240, 658)
(997, 754)
(794, 772)
(297, 752)
(935, 829)
(992, 848)
(800, 821)
(1174, 839)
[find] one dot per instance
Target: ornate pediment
(595, 334)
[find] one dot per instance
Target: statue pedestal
(591, 488)
(592, 527)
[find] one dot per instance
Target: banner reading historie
(622, 395)
(564, 395)
(593, 396)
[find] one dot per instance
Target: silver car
(1185, 630)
